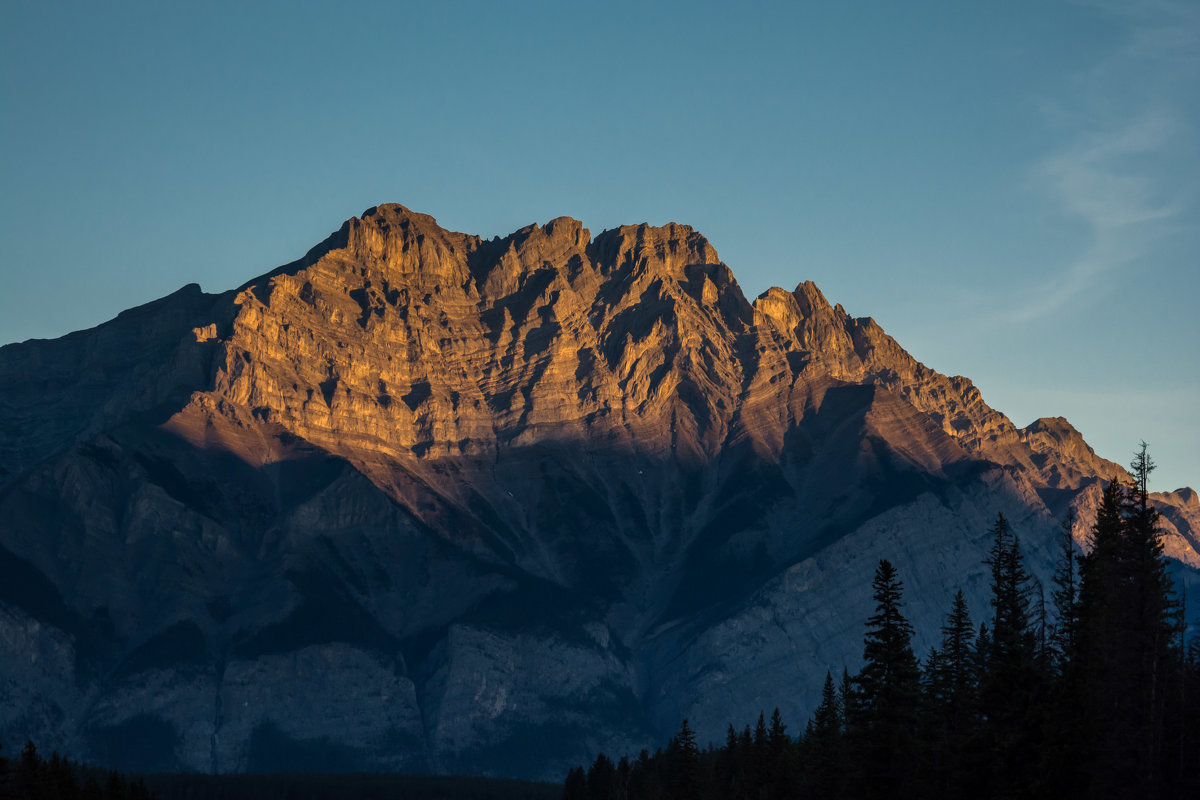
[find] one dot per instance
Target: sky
(1009, 189)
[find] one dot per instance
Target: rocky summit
(420, 501)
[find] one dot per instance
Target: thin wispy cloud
(1158, 29)
(1096, 182)
(1110, 176)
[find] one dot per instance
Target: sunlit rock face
(420, 501)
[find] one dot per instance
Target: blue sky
(1010, 189)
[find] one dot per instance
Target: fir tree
(29, 778)
(747, 780)
(760, 768)
(823, 745)
(1151, 658)
(1065, 596)
(1065, 752)
(643, 782)
(60, 775)
(1099, 640)
(728, 763)
(886, 695)
(1013, 639)
(827, 720)
(777, 738)
(622, 784)
(1010, 684)
(114, 788)
(780, 765)
(951, 700)
(958, 664)
(1178, 758)
(575, 788)
(683, 759)
(601, 777)
(1125, 650)
(848, 701)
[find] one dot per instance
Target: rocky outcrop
(421, 501)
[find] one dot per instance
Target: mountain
(421, 501)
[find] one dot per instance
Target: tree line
(1095, 696)
(31, 776)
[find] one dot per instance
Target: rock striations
(421, 501)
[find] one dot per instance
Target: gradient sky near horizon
(1010, 189)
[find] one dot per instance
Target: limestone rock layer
(421, 501)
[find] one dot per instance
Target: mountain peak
(448, 472)
(396, 211)
(810, 298)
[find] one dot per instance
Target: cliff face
(423, 501)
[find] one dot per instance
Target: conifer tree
(775, 753)
(683, 759)
(1151, 658)
(1178, 758)
(1065, 596)
(777, 738)
(1011, 682)
(575, 788)
(781, 774)
(60, 777)
(643, 782)
(114, 789)
(886, 694)
(951, 700)
(747, 780)
(1013, 639)
(1040, 624)
(1065, 751)
(1099, 638)
(847, 701)
(728, 765)
(1125, 640)
(29, 779)
(823, 745)
(601, 777)
(760, 768)
(621, 786)
(930, 732)
(961, 678)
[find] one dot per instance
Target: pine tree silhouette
(886, 695)
(824, 745)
